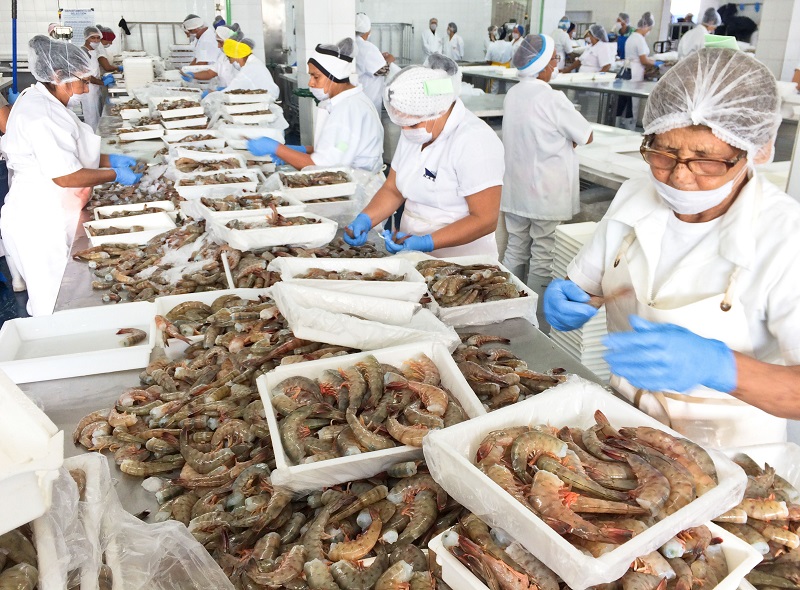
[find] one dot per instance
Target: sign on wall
(78, 19)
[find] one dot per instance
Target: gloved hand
(204, 94)
(108, 80)
(120, 161)
(262, 146)
(220, 88)
(418, 243)
(13, 96)
(298, 148)
(359, 228)
(665, 356)
(126, 176)
(187, 76)
(120, 69)
(659, 63)
(565, 306)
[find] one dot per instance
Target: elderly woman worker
(700, 260)
(54, 159)
(448, 169)
(597, 57)
(348, 129)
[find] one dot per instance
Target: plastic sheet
(450, 454)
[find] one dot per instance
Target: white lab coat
(430, 43)
(758, 236)
(499, 53)
(692, 41)
(44, 140)
(207, 49)
(465, 159)
(254, 75)
(454, 47)
(515, 45)
(91, 101)
(369, 60)
(224, 69)
(348, 132)
(539, 128)
(596, 57)
(563, 45)
(636, 46)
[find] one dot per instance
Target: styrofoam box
(211, 157)
(195, 208)
(140, 135)
(128, 114)
(310, 476)
(344, 189)
(182, 151)
(411, 288)
(131, 124)
(248, 119)
(340, 211)
(479, 314)
(237, 135)
(175, 113)
(450, 455)
(215, 144)
(244, 108)
(184, 123)
(784, 457)
(308, 236)
(74, 343)
(31, 451)
(197, 191)
(739, 556)
(153, 223)
(99, 211)
(248, 98)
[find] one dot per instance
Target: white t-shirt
(254, 75)
(207, 49)
(595, 58)
(351, 134)
(679, 239)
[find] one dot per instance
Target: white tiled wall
(777, 38)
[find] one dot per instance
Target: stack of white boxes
(582, 344)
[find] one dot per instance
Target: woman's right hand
(126, 176)
(565, 305)
(355, 234)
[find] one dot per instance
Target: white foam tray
(244, 108)
(739, 556)
(308, 236)
(195, 208)
(131, 124)
(237, 135)
(175, 135)
(174, 113)
(340, 211)
(140, 135)
(153, 223)
(99, 211)
(197, 191)
(181, 151)
(31, 451)
(248, 98)
(311, 476)
(411, 288)
(450, 457)
(248, 119)
(491, 312)
(128, 114)
(344, 189)
(209, 157)
(74, 343)
(184, 123)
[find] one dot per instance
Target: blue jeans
(3, 182)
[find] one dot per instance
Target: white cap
(533, 55)
(363, 24)
(336, 62)
(192, 22)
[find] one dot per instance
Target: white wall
(471, 16)
(777, 44)
(606, 13)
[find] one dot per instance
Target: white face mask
(236, 65)
(433, 27)
(94, 45)
(515, 35)
(74, 101)
(693, 202)
(418, 135)
(554, 75)
(192, 37)
(319, 94)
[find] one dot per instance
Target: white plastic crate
(153, 224)
(174, 136)
(149, 133)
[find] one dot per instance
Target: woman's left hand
(408, 242)
(662, 357)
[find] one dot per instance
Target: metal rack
(152, 35)
(394, 38)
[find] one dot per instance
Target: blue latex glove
(108, 80)
(120, 69)
(659, 63)
(13, 96)
(121, 161)
(187, 76)
(565, 306)
(665, 356)
(360, 228)
(418, 243)
(126, 176)
(204, 94)
(220, 88)
(263, 146)
(298, 148)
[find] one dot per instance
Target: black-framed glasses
(698, 166)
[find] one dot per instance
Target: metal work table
(5, 83)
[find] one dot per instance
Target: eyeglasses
(698, 166)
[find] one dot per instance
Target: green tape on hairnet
(722, 42)
(439, 87)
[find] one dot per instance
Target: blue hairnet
(563, 24)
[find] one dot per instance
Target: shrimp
(576, 479)
(356, 387)
(293, 431)
(478, 532)
(423, 513)
(346, 443)
(502, 476)
(366, 499)
(417, 416)
(538, 572)
(370, 368)
(507, 577)
(290, 567)
(536, 443)
(22, 576)
(355, 577)
(148, 468)
(494, 445)
(764, 509)
(367, 438)
(421, 368)
(168, 330)
(133, 336)
(412, 555)
(405, 469)
(654, 564)
(653, 489)
(775, 534)
(203, 463)
(749, 535)
(98, 416)
(18, 547)
(116, 418)
(266, 548)
(734, 515)
(407, 435)
(636, 581)
(396, 577)
(301, 389)
(681, 483)
(421, 581)
(359, 547)
(408, 487)
(683, 573)
(318, 576)
(547, 499)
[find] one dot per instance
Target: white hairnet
(363, 24)
(336, 62)
(57, 62)
(533, 55)
(224, 32)
(563, 24)
(624, 17)
(453, 27)
(711, 17)
(598, 31)
(646, 21)
(733, 94)
(437, 61)
(417, 94)
(192, 22)
(90, 31)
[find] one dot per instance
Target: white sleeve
(570, 123)
(589, 266)
(604, 57)
(372, 59)
(338, 140)
(480, 163)
(55, 146)
(641, 46)
(460, 48)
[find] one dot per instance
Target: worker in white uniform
(490, 38)
(431, 43)
(695, 38)
(348, 130)
(371, 65)
(447, 169)
(699, 261)
(562, 42)
(499, 54)
(516, 38)
(250, 73)
(597, 57)
(541, 129)
(637, 59)
(54, 161)
(454, 44)
(222, 69)
(92, 101)
(206, 49)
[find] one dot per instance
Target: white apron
(707, 416)
(38, 224)
(412, 223)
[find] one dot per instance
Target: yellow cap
(235, 49)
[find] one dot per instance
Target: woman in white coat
(448, 169)
(699, 262)
(598, 57)
(372, 66)
(250, 73)
(637, 60)
(348, 130)
(454, 44)
(92, 101)
(54, 160)
(540, 189)
(222, 69)
(696, 38)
